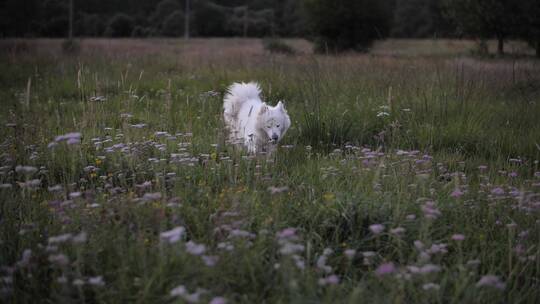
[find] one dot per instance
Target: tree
(347, 24)
(485, 19)
(530, 30)
(173, 25)
(121, 25)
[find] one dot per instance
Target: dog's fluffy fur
(258, 126)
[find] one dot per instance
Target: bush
(278, 46)
(347, 24)
(173, 25)
(121, 25)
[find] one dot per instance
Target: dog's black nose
(275, 137)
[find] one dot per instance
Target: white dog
(250, 121)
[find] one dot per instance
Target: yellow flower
(98, 161)
(329, 196)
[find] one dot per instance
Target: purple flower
(385, 268)
(376, 228)
(458, 237)
(173, 235)
(329, 280)
(491, 281)
(218, 300)
(429, 286)
(194, 248)
(397, 231)
(287, 233)
(497, 191)
(350, 253)
(430, 210)
(457, 193)
(210, 260)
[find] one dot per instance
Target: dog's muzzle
(275, 138)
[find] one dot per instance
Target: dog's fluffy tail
(237, 94)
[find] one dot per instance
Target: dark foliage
(120, 25)
(347, 25)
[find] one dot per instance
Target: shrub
(173, 25)
(121, 25)
(347, 25)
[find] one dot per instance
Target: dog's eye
(269, 127)
(277, 126)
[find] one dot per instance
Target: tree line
(332, 25)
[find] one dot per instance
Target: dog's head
(274, 121)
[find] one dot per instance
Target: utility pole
(186, 20)
(245, 29)
(70, 32)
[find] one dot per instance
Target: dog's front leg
(251, 144)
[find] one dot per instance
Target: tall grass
(402, 179)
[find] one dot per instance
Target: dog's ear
(264, 109)
(281, 107)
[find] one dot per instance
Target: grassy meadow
(409, 175)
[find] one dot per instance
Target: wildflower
(329, 280)
(178, 291)
(25, 259)
(96, 281)
(397, 231)
(34, 183)
(73, 195)
(26, 169)
(210, 260)
(430, 210)
(497, 191)
(287, 233)
(194, 248)
(491, 281)
(321, 264)
(78, 282)
(328, 196)
(173, 235)
(385, 268)
(62, 238)
(350, 253)
(275, 190)
(327, 251)
(438, 248)
(59, 259)
(513, 174)
(457, 193)
(69, 138)
(429, 286)
(291, 248)
(429, 268)
(458, 237)
(151, 196)
(56, 188)
(411, 217)
(218, 300)
(376, 228)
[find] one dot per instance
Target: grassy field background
(410, 175)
